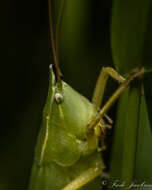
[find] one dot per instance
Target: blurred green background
(25, 57)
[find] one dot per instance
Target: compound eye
(58, 98)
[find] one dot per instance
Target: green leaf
(130, 134)
(117, 147)
(124, 148)
(148, 95)
(143, 171)
(147, 59)
(132, 148)
(129, 24)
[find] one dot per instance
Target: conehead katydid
(67, 155)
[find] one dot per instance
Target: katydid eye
(58, 98)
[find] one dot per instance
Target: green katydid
(67, 155)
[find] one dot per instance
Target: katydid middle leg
(101, 84)
(95, 121)
(97, 98)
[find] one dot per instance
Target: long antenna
(58, 28)
(56, 63)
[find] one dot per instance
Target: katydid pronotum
(68, 156)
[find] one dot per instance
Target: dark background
(25, 57)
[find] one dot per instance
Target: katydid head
(69, 114)
(62, 152)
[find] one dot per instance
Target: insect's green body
(62, 152)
